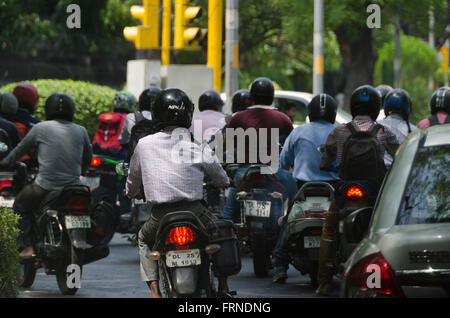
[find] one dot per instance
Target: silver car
(406, 252)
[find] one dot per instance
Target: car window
(427, 194)
(282, 104)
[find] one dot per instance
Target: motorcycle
(262, 202)
(304, 226)
(64, 229)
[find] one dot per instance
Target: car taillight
(5, 184)
(354, 192)
(372, 277)
(96, 162)
(181, 235)
(78, 205)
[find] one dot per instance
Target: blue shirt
(300, 151)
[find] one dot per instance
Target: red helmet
(27, 95)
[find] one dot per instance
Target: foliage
(90, 99)
(9, 253)
(420, 61)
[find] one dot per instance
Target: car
(300, 100)
(406, 251)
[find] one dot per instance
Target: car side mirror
(122, 169)
(357, 224)
(3, 147)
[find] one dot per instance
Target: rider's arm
(27, 144)
(287, 155)
(392, 143)
(213, 169)
(330, 153)
(87, 153)
(134, 179)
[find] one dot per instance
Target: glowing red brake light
(5, 183)
(181, 235)
(96, 162)
(354, 192)
(78, 204)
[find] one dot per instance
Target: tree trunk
(358, 59)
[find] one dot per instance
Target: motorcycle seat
(58, 197)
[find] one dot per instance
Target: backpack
(434, 120)
(106, 139)
(361, 159)
(22, 129)
(142, 128)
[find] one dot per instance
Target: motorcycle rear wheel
(73, 256)
(260, 256)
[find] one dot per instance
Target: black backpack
(142, 128)
(434, 120)
(361, 158)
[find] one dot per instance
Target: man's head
(383, 90)
(8, 104)
(262, 91)
(148, 97)
(241, 100)
(399, 102)
(290, 110)
(210, 100)
(322, 107)
(440, 100)
(27, 96)
(365, 100)
(124, 102)
(59, 106)
(172, 107)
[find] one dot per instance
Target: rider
(365, 106)
(300, 151)
(146, 101)
(170, 185)
(440, 109)
(397, 108)
(384, 90)
(27, 96)
(64, 154)
(8, 107)
(239, 102)
(261, 115)
(204, 123)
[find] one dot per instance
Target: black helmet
(211, 100)
(322, 107)
(440, 100)
(59, 106)
(147, 98)
(241, 100)
(383, 90)
(365, 100)
(262, 91)
(398, 101)
(172, 107)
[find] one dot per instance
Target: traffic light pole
(318, 48)
(215, 9)
(231, 51)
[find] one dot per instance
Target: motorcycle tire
(27, 273)
(313, 274)
(73, 256)
(260, 256)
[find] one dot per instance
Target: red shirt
(258, 117)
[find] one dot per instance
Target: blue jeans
(232, 207)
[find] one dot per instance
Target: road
(118, 276)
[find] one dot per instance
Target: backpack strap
(374, 130)
(352, 127)
(138, 117)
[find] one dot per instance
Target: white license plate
(5, 202)
(78, 222)
(183, 258)
(257, 208)
(91, 181)
(311, 241)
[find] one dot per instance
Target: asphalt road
(118, 276)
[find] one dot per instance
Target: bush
(9, 253)
(90, 99)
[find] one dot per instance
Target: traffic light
(186, 36)
(145, 36)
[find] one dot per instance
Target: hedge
(9, 253)
(90, 99)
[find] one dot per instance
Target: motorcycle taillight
(181, 235)
(354, 192)
(96, 162)
(78, 205)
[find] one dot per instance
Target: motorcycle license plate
(311, 241)
(183, 258)
(257, 208)
(91, 181)
(4, 202)
(78, 222)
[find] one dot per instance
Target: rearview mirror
(321, 148)
(3, 147)
(357, 224)
(122, 169)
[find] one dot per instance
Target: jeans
(232, 207)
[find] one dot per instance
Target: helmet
(322, 107)
(241, 100)
(27, 96)
(172, 107)
(210, 99)
(383, 90)
(147, 98)
(440, 100)
(398, 101)
(124, 102)
(365, 100)
(8, 104)
(59, 106)
(262, 91)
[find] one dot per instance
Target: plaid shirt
(336, 139)
(161, 163)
